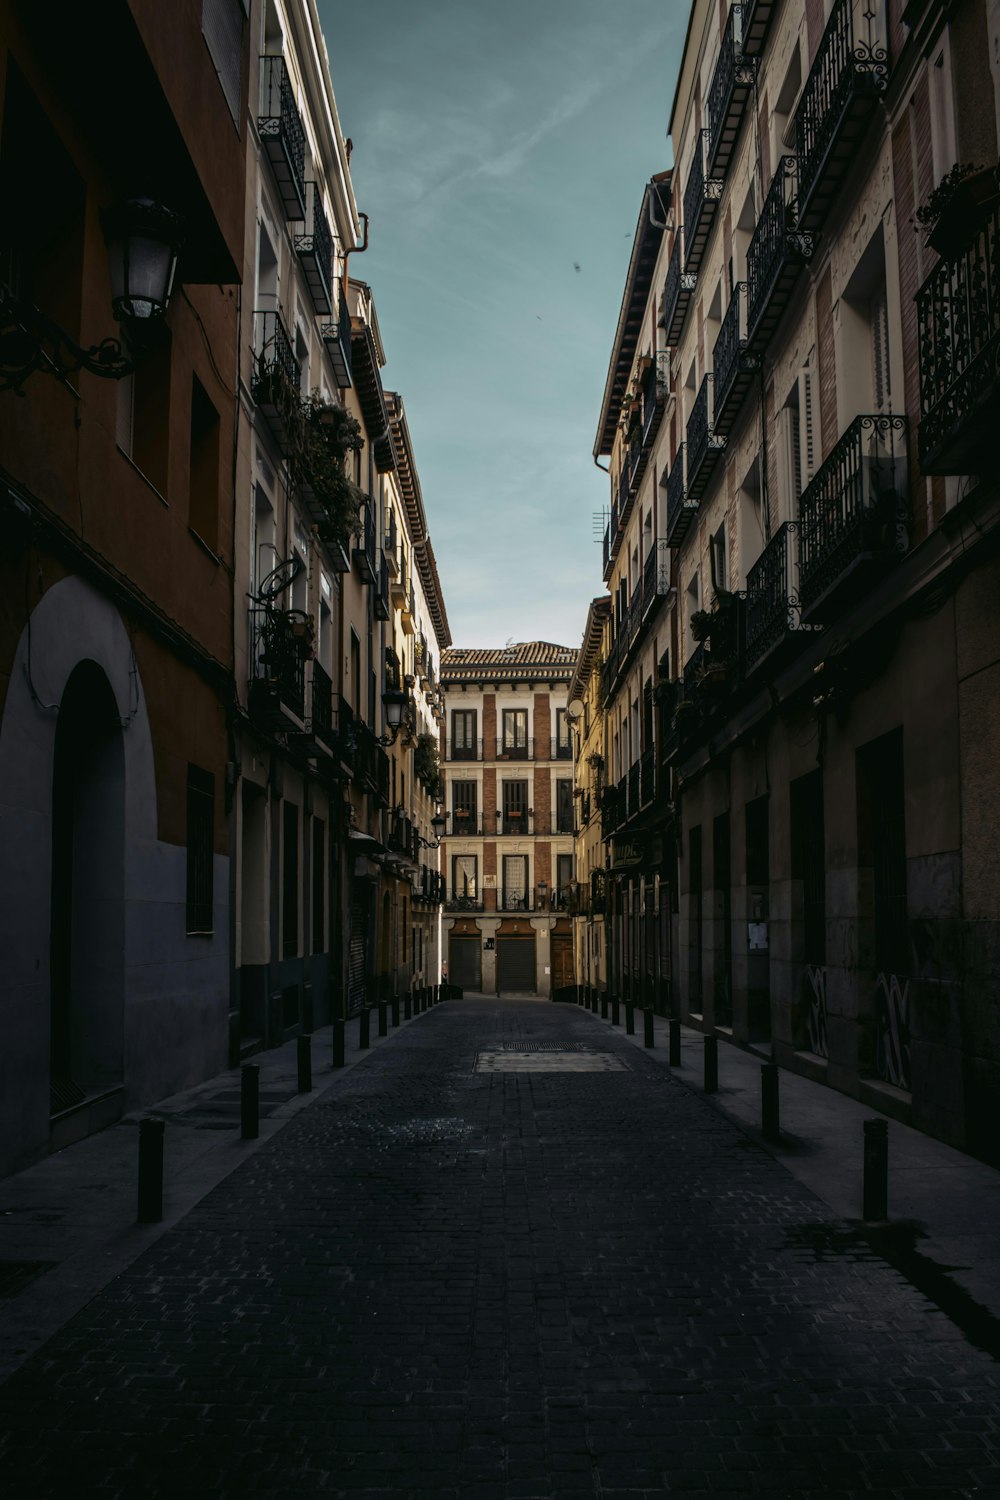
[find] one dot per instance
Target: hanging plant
(329, 436)
(701, 624)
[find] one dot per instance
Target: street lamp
(439, 822)
(394, 700)
(143, 238)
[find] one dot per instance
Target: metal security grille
(464, 962)
(516, 965)
(356, 990)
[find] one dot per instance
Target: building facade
(820, 478)
(508, 848)
(116, 650)
(587, 719)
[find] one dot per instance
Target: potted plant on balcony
(329, 436)
(701, 624)
(426, 765)
(957, 206)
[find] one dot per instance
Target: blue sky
(497, 147)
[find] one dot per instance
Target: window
(463, 803)
(200, 841)
(144, 412)
(318, 885)
(465, 879)
(203, 496)
(564, 806)
(515, 807)
(463, 734)
(355, 685)
(516, 896)
(719, 561)
(515, 733)
(222, 26)
(564, 877)
(289, 880)
(796, 445)
(564, 748)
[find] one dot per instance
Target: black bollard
(604, 1006)
(770, 1119)
(629, 1018)
(303, 1049)
(395, 1010)
(338, 1042)
(364, 1028)
(249, 1101)
(150, 1172)
(711, 1064)
(675, 1043)
(876, 1184)
(383, 1019)
(407, 1007)
(647, 1023)
(616, 1013)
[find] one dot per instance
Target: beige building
(802, 422)
(508, 850)
(586, 707)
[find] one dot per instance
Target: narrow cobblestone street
(506, 1256)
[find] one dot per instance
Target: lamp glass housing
(143, 238)
(394, 702)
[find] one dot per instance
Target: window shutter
(807, 429)
(880, 349)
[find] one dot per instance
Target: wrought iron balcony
(680, 510)
(275, 380)
(701, 199)
(508, 751)
(383, 609)
(337, 341)
(756, 22)
(647, 776)
(606, 552)
(381, 779)
(653, 391)
(731, 87)
(282, 135)
(845, 83)
(516, 822)
(463, 902)
(612, 809)
(463, 823)
(633, 786)
(853, 515)
(561, 749)
(322, 706)
(733, 364)
(516, 901)
(473, 751)
(563, 822)
(280, 642)
(655, 575)
(958, 322)
(704, 445)
(365, 553)
(777, 253)
(677, 289)
(773, 610)
(314, 247)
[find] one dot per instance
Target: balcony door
(514, 740)
(463, 734)
(515, 807)
(564, 877)
(464, 806)
(515, 882)
(564, 806)
(465, 880)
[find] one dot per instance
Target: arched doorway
(87, 926)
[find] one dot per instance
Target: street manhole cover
(547, 1060)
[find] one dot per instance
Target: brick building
(507, 755)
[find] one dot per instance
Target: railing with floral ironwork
(777, 251)
(314, 247)
(703, 446)
(733, 363)
(276, 371)
(516, 900)
(453, 902)
(282, 134)
(612, 809)
(653, 392)
(756, 21)
(854, 506)
(701, 196)
(337, 342)
(958, 322)
(281, 642)
(322, 705)
(679, 512)
(727, 96)
(677, 289)
(847, 70)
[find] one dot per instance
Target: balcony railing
(634, 785)
(513, 822)
(655, 575)
(677, 289)
(776, 255)
(463, 902)
(647, 776)
(680, 510)
(473, 751)
(731, 87)
(756, 21)
(846, 81)
(606, 552)
(701, 199)
(337, 341)
(383, 608)
(509, 751)
(958, 321)
(563, 822)
(275, 379)
(322, 706)
(282, 136)
(704, 445)
(853, 514)
(516, 901)
(561, 749)
(364, 552)
(280, 643)
(773, 609)
(612, 809)
(314, 247)
(733, 363)
(464, 825)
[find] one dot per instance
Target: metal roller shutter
(516, 965)
(465, 962)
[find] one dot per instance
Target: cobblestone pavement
(481, 1283)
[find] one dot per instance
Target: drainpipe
(355, 250)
